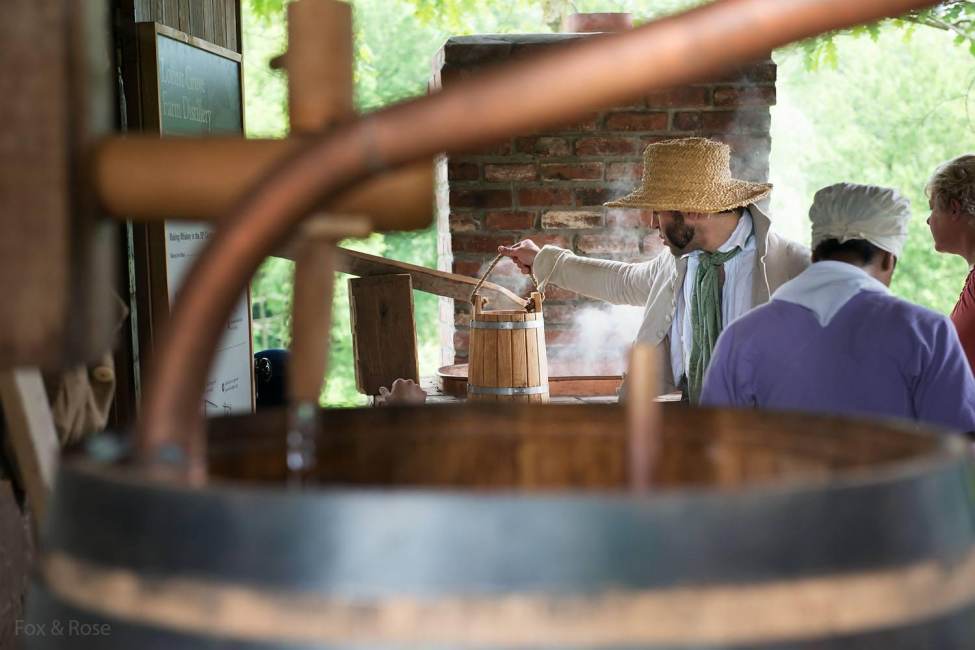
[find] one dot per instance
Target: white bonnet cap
(848, 211)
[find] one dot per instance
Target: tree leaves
(954, 16)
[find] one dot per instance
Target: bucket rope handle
(531, 306)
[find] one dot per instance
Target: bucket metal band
(519, 390)
(507, 325)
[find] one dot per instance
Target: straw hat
(690, 175)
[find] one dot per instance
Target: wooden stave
(948, 471)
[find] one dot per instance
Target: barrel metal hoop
(507, 325)
(737, 614)
(517, 390)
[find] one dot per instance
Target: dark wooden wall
(215, 21)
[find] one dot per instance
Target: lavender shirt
(877, 355)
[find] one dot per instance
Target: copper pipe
(524, 96)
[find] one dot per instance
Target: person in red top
(951, 194)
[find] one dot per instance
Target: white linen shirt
(736, 295)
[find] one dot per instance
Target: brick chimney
(550, 186)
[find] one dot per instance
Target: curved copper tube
(561, 86)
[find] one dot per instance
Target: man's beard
(678, 235)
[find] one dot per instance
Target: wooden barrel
(507, 360)
(506, 526)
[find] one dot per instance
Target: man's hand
(523, 254)
(404, 391)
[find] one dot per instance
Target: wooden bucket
(512, 527)
(507, 360)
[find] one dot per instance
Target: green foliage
(888, 113)
(956, 17)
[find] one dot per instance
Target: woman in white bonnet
(951, 194)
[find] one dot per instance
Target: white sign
(228, 389)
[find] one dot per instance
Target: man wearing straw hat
(724, 260)
(835, 340)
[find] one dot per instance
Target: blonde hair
(954, 181)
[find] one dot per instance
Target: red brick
(586, 124)
(652, 246)
(460, 223)
(480, 243)
(636, 121)
(744, 121)
(502, 148)
(572, 219)
(608, 244)
(746, 146)
(653, 139)
(624, 171)
(757, 72)
(510, 220)
(731, 96)
(502, 173)
(586, 196)
(543, 146)
(479, 199)
(559, 313)
(600, 146)
(468, 267)
(544, 196)
(551, 240)
(461, 342)
(589, 171)
(553, 292)
(616, 218)
(682, 97)
(463, 171)
(488, 243)
(687, 121)
(560, 337)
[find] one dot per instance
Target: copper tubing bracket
(551, 88)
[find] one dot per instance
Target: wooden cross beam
(143, 178)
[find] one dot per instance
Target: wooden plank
(219, 23)
(58, 97)
(490, 356)
(311, 321)
(441, 283)
(232, 26)
(171, 13)
(531, 352)
(519, 354)
(383, 331)
(195, 26)
(519, 358)
(475, 364)
(15, 558)
(30, 433)
(504, 358)
(209, 33)
(142, 10)
(542, 356)
(184, 16)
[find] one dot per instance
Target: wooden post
(383, 331)
(319, 64)
(642, 416)
(31, 434)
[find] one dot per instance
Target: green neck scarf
(705, 317)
